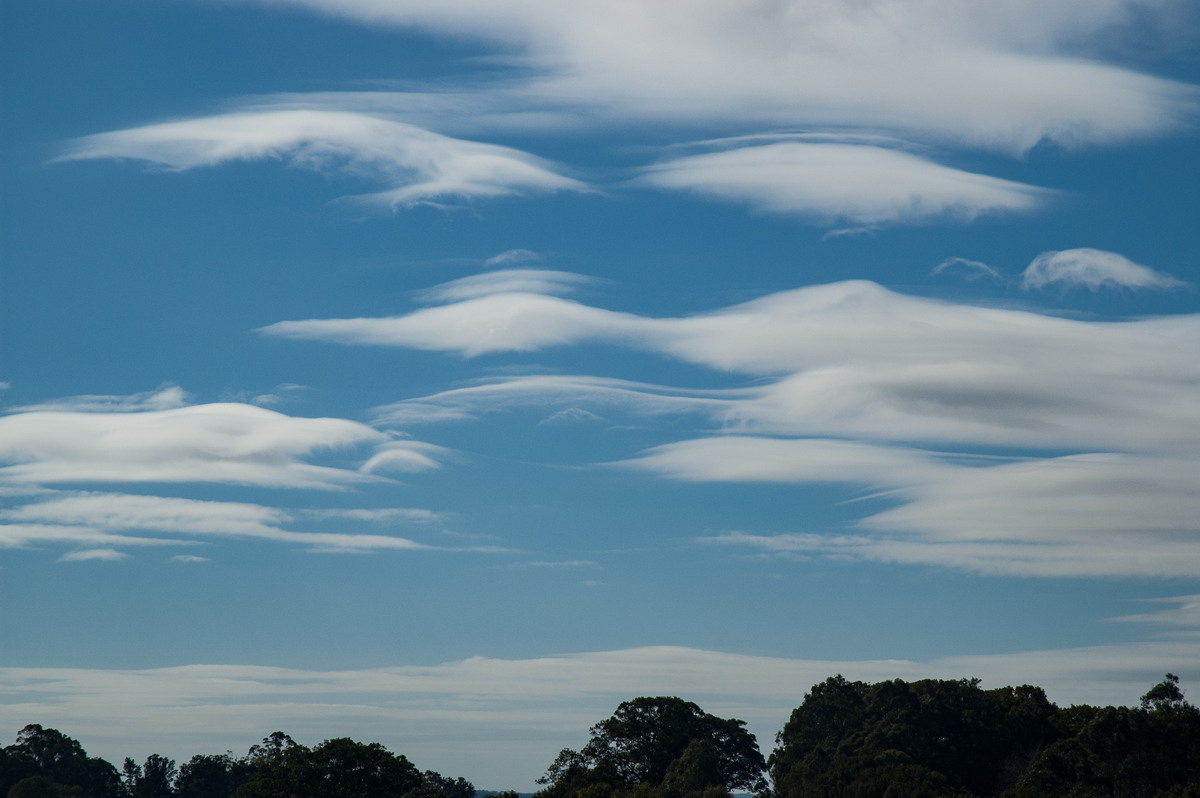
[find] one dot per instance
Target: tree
(154, 779)
(337, 768)
(212, 776)
(645, 737)
(1164, 695)
(49, 753)
(450, 788)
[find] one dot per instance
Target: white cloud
(1006, 74)
(971, 269)
(408, 457)
(507, 719)
(1094, 269)
(382, 515)
(1082, 515)
(1185, 615)
(848, 359)
(418, 165)
(507, 281)
(93, 554)
(23, 535)
(512, 256)
(166, 398)
(631, 397)
(102, 517)
(842, 183)
(223, 442)
(494, 323)
(837, 371)
(189, 558)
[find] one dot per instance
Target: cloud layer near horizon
(509, 717)
(855, 384)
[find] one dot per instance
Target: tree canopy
(665, 743)
(952, 739)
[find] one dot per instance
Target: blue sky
(443, 374)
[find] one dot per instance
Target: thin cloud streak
(106, 518)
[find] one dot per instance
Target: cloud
(382, 515)
(842, 183)
(641, 399)
(408, 457)
(507, 281)
(851, 383)
(970, 269)
(1003, 75)
(516, 321)
(189, 558)
(93, 554)
(1081, 515)
(511, 256)
(166, 398)
(417, 164)
(85, 440)
(848, 359)
(1186, 615)
(1093, 269)
(508, 718)
(108, 518)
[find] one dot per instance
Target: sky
(442, 374)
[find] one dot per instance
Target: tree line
(848, 739)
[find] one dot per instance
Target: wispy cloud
(167, 398)
(118, 520)
(1093, 269)
(418, 165)
(842, 183)
(971, 269)
(1185, 615)
(93, 554)
(110, 439)
(512, 256)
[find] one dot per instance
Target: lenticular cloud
(1005, 75)
(840, 183)
(417, 164)
(854, 384)
(223, 443)
(1093, 269)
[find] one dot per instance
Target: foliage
(661, 747)
(952, 738)
(42, 755)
